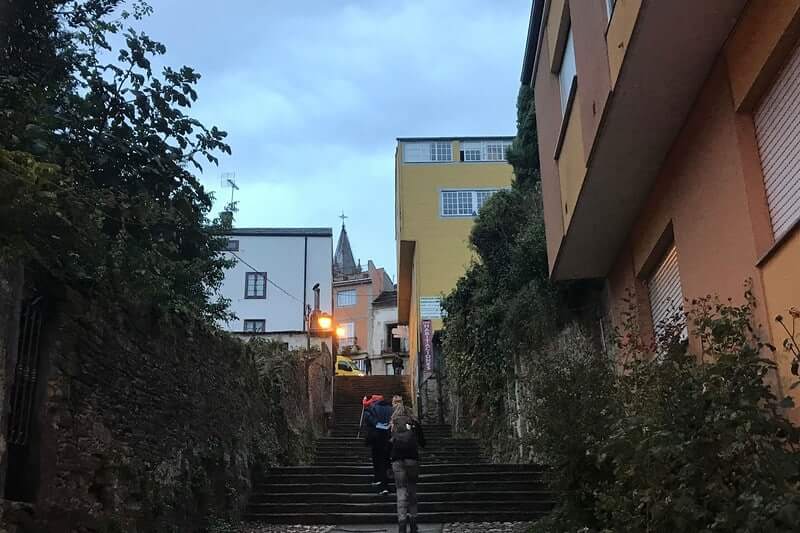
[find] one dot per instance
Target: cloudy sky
(313, 94)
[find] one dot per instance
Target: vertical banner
(427, 345)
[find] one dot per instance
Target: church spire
(343, 262)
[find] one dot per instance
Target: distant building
(364, 311)
(271, 285)
(668, 139)
(441, 184)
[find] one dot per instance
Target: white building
(271, 285)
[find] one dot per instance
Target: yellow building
(440, 184)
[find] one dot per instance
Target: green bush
(686, 442)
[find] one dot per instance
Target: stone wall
(160, 425)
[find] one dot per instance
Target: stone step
(389, 518)
(362, 487)
(368, 497)
(425, 469)
(389, 505)
(281, 478)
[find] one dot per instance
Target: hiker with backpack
(406, 439)
(378, 415)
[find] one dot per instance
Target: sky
(314, 93)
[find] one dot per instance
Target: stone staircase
(456, 483)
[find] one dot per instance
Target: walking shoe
(385, 492)
(376, 483)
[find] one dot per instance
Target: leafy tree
(127, 216)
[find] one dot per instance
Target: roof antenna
(229, 180)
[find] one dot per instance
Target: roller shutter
(664, 287)
(777, 121)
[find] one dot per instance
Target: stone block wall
(159, 425)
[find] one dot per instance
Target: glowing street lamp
(340, 332)
(324, 322)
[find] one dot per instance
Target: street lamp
(324, 322)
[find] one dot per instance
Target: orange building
(669, 139)
(363, 307)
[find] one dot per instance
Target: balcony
(657, 76)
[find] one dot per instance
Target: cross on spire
(343, 217)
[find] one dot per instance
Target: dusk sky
(313, 94)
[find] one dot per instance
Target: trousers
(406, 475)
(380, 460)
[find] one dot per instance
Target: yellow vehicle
(346, 367)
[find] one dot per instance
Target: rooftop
(281, 232)
(386, 299)
(467, 138)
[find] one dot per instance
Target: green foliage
(505, 296)
(107, 144)
(524, 151)
(685, 442)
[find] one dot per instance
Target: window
(232, 245)
(346, 298)
(666, 294)
(349, 335)
(777, 122)
(441, 151)
(496, 151)
(567, 74)
(430, 308)
(255, 326)
(484, 150)
(472, 151)
(464, 203)
(255, 285)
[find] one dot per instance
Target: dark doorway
(23, 432)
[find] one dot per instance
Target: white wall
(380, 317)
(282, 258)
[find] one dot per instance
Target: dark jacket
(378, 413)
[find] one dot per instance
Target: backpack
(404, 437)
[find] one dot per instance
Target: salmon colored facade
(658, 147)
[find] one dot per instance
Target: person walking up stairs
(456, 483)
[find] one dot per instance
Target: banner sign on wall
(427, 345)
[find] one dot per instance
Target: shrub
(696, 441)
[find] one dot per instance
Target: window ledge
(778, 244)
(573, 89)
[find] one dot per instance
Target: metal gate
(26, 373)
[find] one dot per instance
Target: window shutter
(417, 152)
(430, 308)
(777, 122)
(666, 294)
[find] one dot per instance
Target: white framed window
(346, 298)
(255, 326)
(464, 203)
(430, 307)
(496, 151)
(484, 150)
(349, 334)
(777, 122)
(473, 151)
(441, 151)
(568, 71)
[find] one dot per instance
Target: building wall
(358, 314)
(710, 192)
(282, 258)
(381, 317)
(441, 252)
